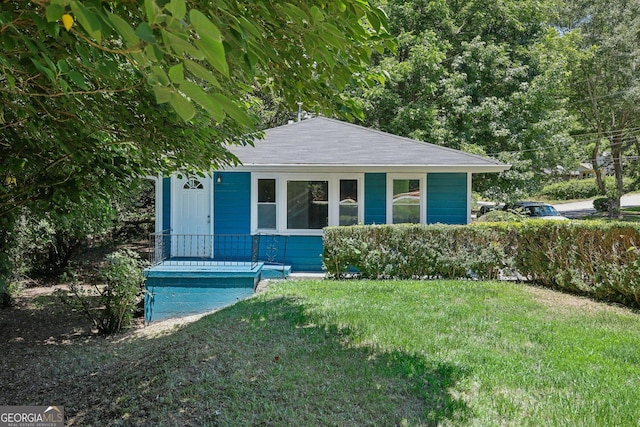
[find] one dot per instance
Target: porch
(192, 274)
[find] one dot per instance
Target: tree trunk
(618, 191)
(596, 168)
(6, 267)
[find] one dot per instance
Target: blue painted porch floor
(183, 288)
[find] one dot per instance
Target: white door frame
(202, 249)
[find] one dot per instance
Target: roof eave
(370, 168)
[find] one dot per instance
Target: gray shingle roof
(321, 141)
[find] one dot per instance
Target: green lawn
(492, 353)
(355, 353)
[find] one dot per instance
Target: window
(348, 208)
(307, 205)
(192, 184)
(304, 203)
(406, 201)
(267, 207)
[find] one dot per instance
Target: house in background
(299, 179)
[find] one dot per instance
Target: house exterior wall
(232, 202)
(446, 202)
(304, 253)
(447, 198)
(375, 198)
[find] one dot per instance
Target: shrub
(413, 251)
(9, 292)
(501, 216)
(595, 258)
(601, 204)
(572, 189)
(579, 188)
(110, 307)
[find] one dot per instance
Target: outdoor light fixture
(219, 179)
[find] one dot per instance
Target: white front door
(192, 218)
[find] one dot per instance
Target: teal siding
(166, 203)
(375, 198)
(232, 203)
(304, 253)
(165, 298)
(447, 198)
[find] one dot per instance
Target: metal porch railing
(224, 249)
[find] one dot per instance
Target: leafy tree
(476, 75)
(95, 94)
(98, 98)
(605, 83)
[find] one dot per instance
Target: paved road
(584, 208)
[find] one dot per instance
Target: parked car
(485, 207)
(535, 210)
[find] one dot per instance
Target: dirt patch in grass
(565, 303)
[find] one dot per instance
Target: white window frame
(423, 194)
(333, 182)
(254, 192)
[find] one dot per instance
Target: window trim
(274, 202)
(333, 181)
(422, 178)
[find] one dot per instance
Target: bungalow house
(308, 175)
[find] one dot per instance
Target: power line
(631, 132)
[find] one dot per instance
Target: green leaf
(53, 29)
(153, 52)
(181, 46)
(295, 13)
(249, 26)
(374, 21)
(163, 94)
(10, 80)
(214, 53)
(235, 112)
(178, 8)
(46, 71)
(201, 98)
(317, 14)
(141, 60)
(124, 29)
(160, 75)
(201, 72)
(204, 27)
(145, 32)
(176, 73)
(54, 12)
(78, 79)
(210, 42)
(88, 20)
(151, 9)
(183, 107)
(63, 67)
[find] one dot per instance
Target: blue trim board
(375, 198)
(166, 203)
(447, 198)
(232, 203)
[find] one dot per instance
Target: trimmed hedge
(579, 188)
(600, 259)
